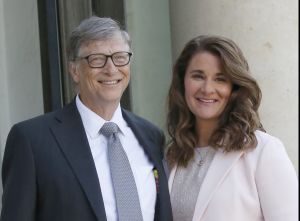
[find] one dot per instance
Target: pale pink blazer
(249, 186)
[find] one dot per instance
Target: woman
(223, 165)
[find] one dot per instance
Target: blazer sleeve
(18, 178)
(277, 183)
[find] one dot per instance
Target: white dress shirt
(141, 167)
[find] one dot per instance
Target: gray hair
(94, 28)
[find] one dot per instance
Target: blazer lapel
(218, 170)
(71, 137)
(171, 177)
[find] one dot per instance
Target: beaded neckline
(203, 153)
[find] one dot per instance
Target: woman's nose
(207, 87)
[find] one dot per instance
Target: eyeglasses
(119, 59)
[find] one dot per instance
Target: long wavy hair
(239, 119)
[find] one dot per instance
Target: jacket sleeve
(277, 183)
(18, 178)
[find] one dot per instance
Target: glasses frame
(106, 58)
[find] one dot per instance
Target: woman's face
(207, 89)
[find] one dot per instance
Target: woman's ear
(73, 70)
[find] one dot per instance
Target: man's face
(101, 87)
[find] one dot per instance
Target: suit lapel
(71, 137)
(144, 139)
(152, 149)
(218, 170)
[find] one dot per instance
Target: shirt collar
(92, 122)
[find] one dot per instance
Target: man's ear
(73, 70)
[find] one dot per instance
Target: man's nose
(110, 66)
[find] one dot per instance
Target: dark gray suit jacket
(48, 171)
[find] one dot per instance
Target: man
(59, 166)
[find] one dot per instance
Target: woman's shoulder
(264, 139)
(267, 144)
(267, 154)
(270, 160)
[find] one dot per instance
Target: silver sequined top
(187, 183)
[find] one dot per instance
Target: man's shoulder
(41, 120)
(139, 121)
(144, 129)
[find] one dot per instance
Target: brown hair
(240, 118)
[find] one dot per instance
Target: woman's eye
(221, 79)
(197, 76)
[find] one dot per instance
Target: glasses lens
(97, 60)
(121, 58)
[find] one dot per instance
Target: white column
(267, 32)
(148, 24)
(4, 104)
(21, 95)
